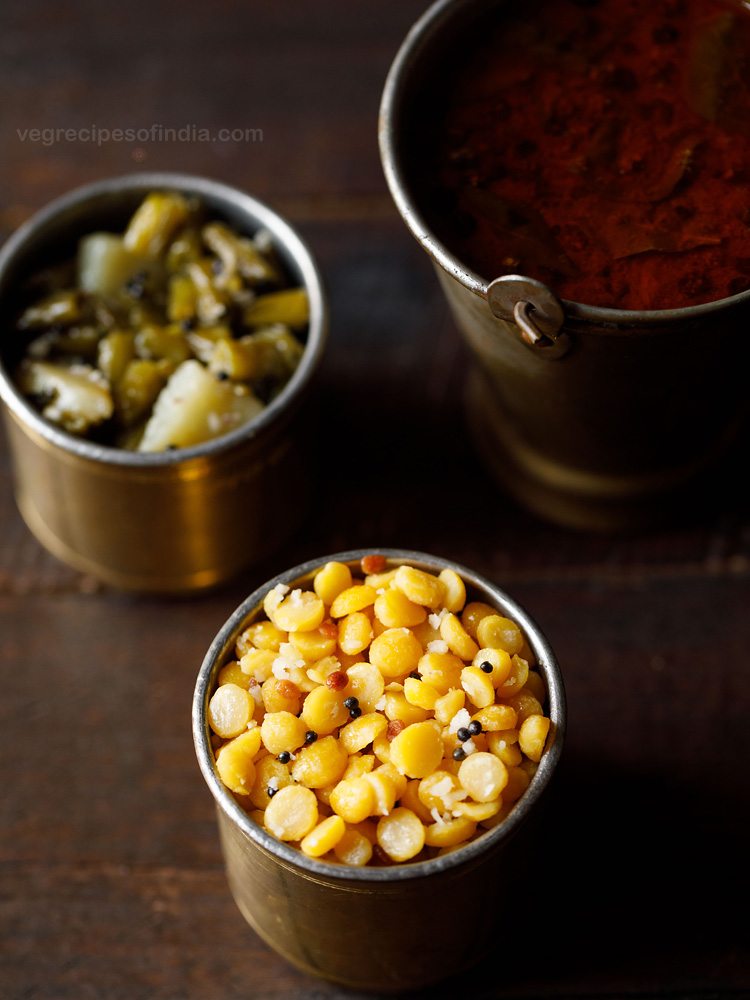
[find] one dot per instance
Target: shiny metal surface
(611, 434)
(171, 521)
(388, 928)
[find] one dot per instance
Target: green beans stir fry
(174, 333)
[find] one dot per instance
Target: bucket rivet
(534, 309)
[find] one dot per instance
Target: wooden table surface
(112, 882)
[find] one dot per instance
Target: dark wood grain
(111, 883)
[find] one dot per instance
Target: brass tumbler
(169, 521)
(389, 928)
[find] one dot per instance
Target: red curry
(602, 146)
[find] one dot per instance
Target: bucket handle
(534, 309)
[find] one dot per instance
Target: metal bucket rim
(215, 193)
(426, 31)
(474, 850)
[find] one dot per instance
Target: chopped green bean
(184, 249)
(162, 343)
(290, 307)
(138, 388)
(210, 303)
(183, 298)
(203, 340)
(58, 309)
(73, 342)
(116, 351)
(271, 353)
(239, 255)
(155, 223)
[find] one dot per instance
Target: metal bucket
(595, 418)
(170, 521)
(391, 928)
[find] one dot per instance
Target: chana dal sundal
(174, 333)
(379, 718)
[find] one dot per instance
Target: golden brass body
(163, 528)
(381, 935)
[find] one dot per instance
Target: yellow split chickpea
(417, 750)
(320, 764)
(282, 731)
(353, 849)
(381, 747)
(359, 764)
(281, 696)
(493, 718)
(507, 750)
(399, 780)
(233, 673)
(473, 614)
(532, 736)
(292, 813)
(355, 633)
(361, 732)
(399, 709)
(378, 715)
(331, 580)
(477, 811)
(450, 833)
(395, 652)
(235, 761)
(500, 662)
(353, 599)
(440, 790)
(458, 639)
(384, 791)
(450, 704)
(258, 663)
(525, 704)
(324, 837)
(314, 645)
(394, 609)
(353, 799)
(499, 633)
(410, 799)
(517, 678)
(401, 834)
(454, 590)
(420, 587)
(366, 684)
(483, 776)
(324, 710)
(478, 686)
(420, 693)
(535, 685)
(301, 611)
(518, 782)
(270, 776)
(441, 670)
(262, 635)
(230, 710)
